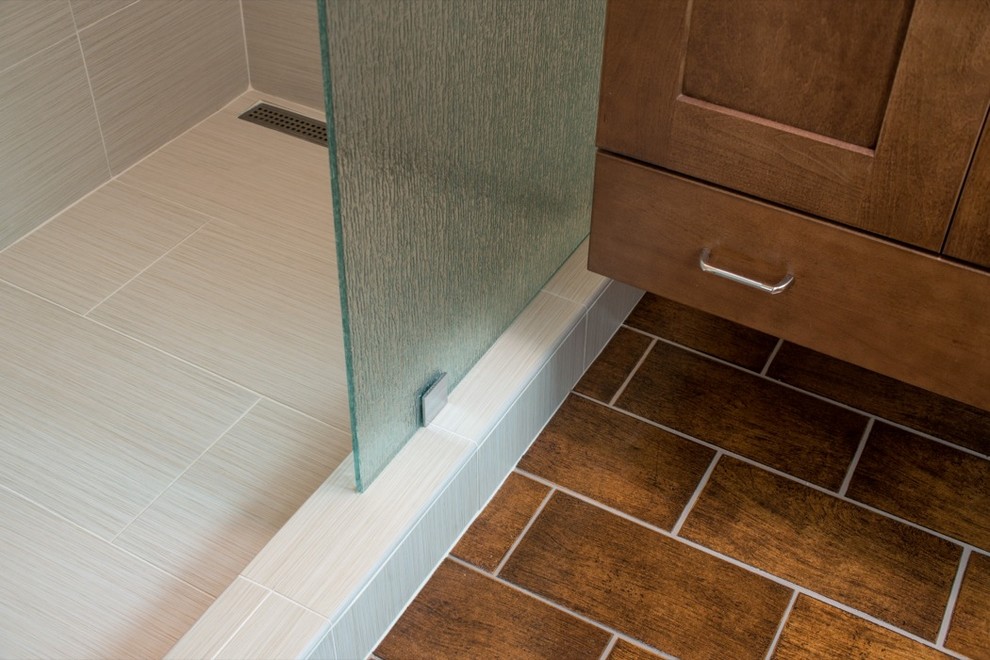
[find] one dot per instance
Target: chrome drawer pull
(772, 289)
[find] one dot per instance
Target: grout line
(773, 354)
(522, 533)
(676, 529)
(560, 608)
(632, 372)
(247, 57)
(241, 625)
(113, 541)
(608, 648)
(781, 625)
(736, 562)
(785, 475)
(820, 397)
(145, 269)
(116, 548)
(92, 94)
(854, 463)
(950, 605)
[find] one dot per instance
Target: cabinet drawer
(902, 313)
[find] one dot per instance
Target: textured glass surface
(463, 135)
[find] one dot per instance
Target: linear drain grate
(287, 122)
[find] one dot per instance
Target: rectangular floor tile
(623, 650)
(211, 522)
(880, 566)
(788, 430)
(461, 613)
(609, 371)
(94, 425)
(702, 331)
(619, 461)
(671, 596)
(969, 631)
(88, 251)
(499, 525)
(93, 601)
(899, 402)
(258, 307)
(925, 482)
(232, 169)
(817, 630)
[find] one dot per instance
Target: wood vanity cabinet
(822, 145)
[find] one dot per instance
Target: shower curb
(334, 579)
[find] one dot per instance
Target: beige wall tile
(28, 26)
(283, 40)
(66, 594)
(211, 522)
(95, 425)
(91, 249)
(158, 67)
(88, 12)
(52, 153)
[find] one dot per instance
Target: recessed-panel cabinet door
(865, 112)
(969, 235)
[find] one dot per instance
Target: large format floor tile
(703, 332)
(496, 529)
(619, 461)
(970, 630)
(880, 566)
(211, 522)
(93, 248)
(888, 398)
(96, 425)
(817, 630)
(743, 533)
(66, 594)
(645, 585)
(255, 306)
(447, 621)
(926, 482)
(785, 429)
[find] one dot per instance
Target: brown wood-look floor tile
(462, 614)
(882, 396)
(969, 631)
(619, 461)
(883, 567)
(925, 482)
(817, 630)
(669, 595)
(623, 650)
(494, 531)
(607, 373)
(702, 331)
(780, 427)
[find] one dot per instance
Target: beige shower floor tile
(149, 464)
(94, 247)
(231, 169)
(211, 522)
(96, 425)
(66, 594)
(257, 306)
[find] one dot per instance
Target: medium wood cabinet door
(865, 112)
(969, 235)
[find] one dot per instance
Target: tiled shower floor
(171, 388)
(691, 499)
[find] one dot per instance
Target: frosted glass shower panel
(463, 143)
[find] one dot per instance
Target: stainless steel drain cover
(287, 122)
